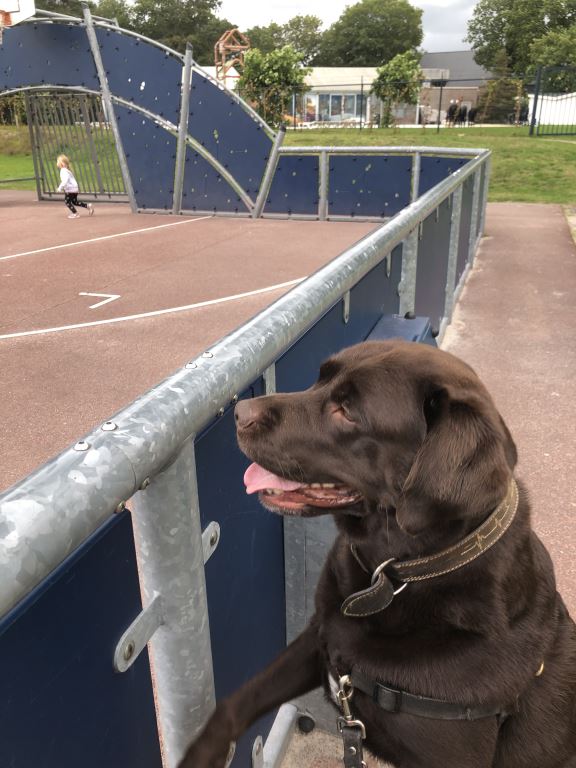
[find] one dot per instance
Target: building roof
(461, 67)
(341, 78)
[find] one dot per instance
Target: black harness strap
(393, 700)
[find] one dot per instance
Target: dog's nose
(248, 413)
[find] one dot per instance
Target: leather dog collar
(381, 591)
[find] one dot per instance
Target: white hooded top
(67, 181)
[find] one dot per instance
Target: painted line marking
(155, 313)
(103, 237)
(109, 297)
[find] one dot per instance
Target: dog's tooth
(328, 485)
(315, 485)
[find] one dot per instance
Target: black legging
(71, 199)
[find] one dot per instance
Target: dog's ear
(464, 464)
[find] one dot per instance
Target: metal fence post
(324, 171)
(416, 167)
(269, 173)
(407, 288)
(171, 563)
(452, 255)
(537, 86)
(474, 217)
(182, 131)
(484, 201)
(30, 121)
(108, 106)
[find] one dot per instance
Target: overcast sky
(444, 21)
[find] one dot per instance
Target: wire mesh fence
(553, 103)
(74, 125)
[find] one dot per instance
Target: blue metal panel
(465, 226)
(368, 186)
(142, 73)
(410, 329)
(374, 295)
(432, 270)
(295, 186)
(205, 189)
(62, 704)
(46, 54)
(433, 170)
(150, 153)
(231, 134)
(245, 575)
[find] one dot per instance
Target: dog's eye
(342, 411)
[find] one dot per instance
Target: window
(349, 107)
(336, 107)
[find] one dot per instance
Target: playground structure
(229, 53)
(195, 560)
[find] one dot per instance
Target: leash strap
(352, 731)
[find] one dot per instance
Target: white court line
(104, 237)
(155, 313)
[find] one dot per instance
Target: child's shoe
(90, 209)
(73, 215)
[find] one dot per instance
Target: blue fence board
(369, 186)
(433, 265)
(295, 186)
(245, 575)
(150, 153)
(231, 134)
(62, 704)
(433, 170)
(46, 54)
(205, 189)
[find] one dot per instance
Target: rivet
(82, 445)
(109, 426)
(214, 539)
(121, 507)
(352, 750)
(221, 412)
(235, 399)
(145, 483)
(191, 365)
(207, 354)
(129, 649)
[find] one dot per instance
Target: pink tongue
(256, 478)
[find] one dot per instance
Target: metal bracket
(270, 379)
(346, 307)
(258, 753)
(210, 540)
(134, 640)
(388, 260)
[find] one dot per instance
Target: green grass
(524, 168)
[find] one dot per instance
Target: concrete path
(515, 324)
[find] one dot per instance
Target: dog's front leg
(294, 672)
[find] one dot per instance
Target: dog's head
(388, 424)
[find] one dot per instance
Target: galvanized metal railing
(146, 452)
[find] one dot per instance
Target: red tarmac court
(95, 311)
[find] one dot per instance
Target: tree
(163, 19)
(270, 79)
(502, 99)
(557, 49)
(304, 34)
(370, 33)
(398, 82)
(116, 9)
(68, 7)
(266, 39)
(512, 25)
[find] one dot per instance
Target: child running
(69, 186)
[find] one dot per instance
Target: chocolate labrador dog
(438, 632)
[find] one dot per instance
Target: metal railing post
(474, 216)
(108, 106)
(452, 255)
(171, 563)
(324, 172)
(30, 121)
(269, 173)
(407, 287)
(537, 86)
(484, 201)
(182, 131)
(416, 167)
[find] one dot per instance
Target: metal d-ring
(379, 570)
